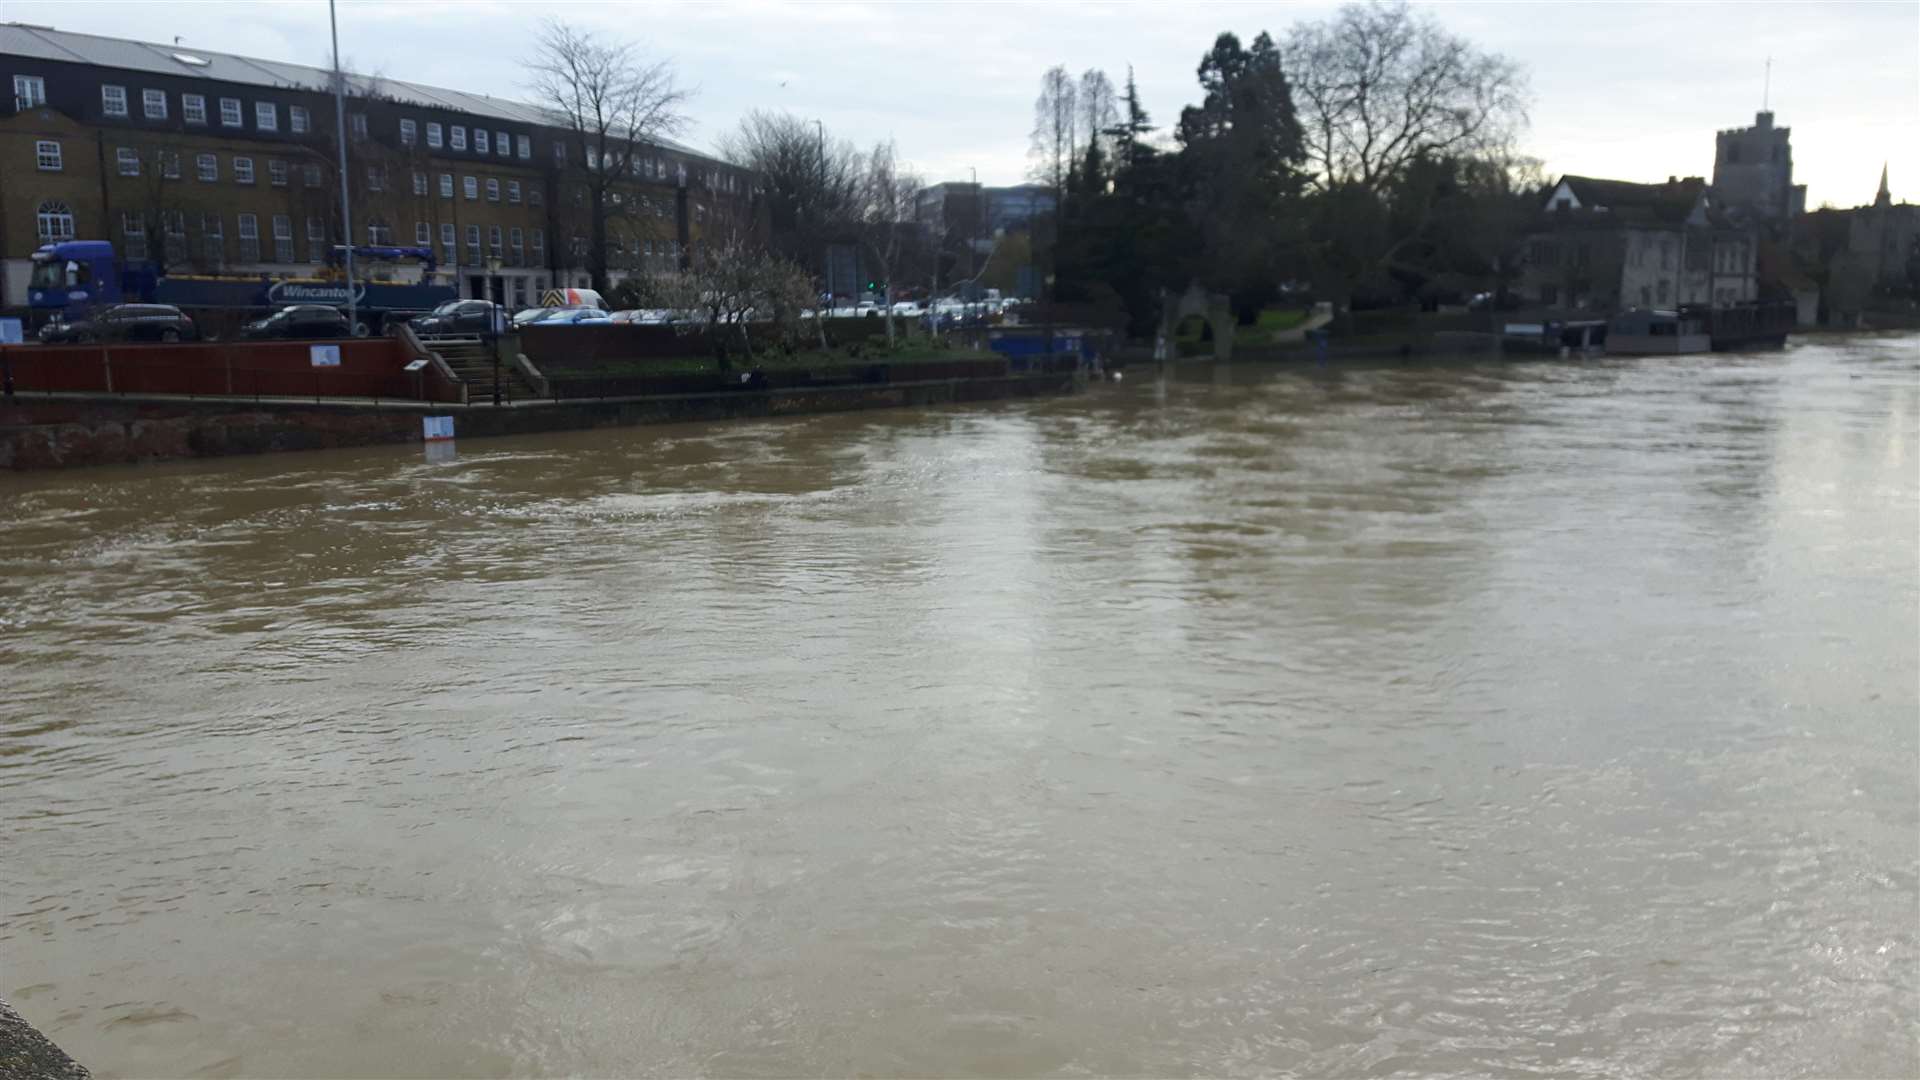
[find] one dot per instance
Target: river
(1529, 719)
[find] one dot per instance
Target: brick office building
(212, 163)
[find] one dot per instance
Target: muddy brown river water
(1528, 719)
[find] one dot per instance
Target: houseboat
(1653, 332)
(1762, 324)
(1562, 337)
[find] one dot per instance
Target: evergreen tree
(1240, 157)
(1130, 147)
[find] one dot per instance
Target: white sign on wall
(436, 428)
(324, 355)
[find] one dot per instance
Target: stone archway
(1213, 307)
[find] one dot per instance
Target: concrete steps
(472, 359)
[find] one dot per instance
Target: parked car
(545, 315)
(125, 322)
(300, 321)
(578, 317)
(459, 317)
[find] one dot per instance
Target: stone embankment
(63, 430)
(25, 1054)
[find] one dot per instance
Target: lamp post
(826, 253)
(493, 325)
(973, 234)
(340, 130)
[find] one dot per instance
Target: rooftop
(1634, 203)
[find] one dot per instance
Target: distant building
(1608, 245)
(1886, 236)
(968, 222)
(955, 211)
(1753, 173)
(1863, 256)
(1017, 206)
(960, 206)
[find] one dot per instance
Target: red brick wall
(368, 368)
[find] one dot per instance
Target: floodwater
(1527, 719)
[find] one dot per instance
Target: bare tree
(811, 183)
(1055, 130)
(156, 205)
(1099, 109)
(611, 104)
(891, 194)
(1379, 86)
(731, 289)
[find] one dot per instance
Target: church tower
(1753, 172)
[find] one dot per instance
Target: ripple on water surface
(1542, 718)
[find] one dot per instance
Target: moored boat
(1655, 332)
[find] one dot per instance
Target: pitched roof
(46, 43)
(1669, 203)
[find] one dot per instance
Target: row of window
(173, 226)
(454, 137)
(54, 221)
(48, 157)
(206, 167)
(470, 186)
(114, 102)
(509, 245)
(31, 90)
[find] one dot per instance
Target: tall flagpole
(340, 130)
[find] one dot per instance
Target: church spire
(1885, 196)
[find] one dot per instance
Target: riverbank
(70, 430)
(25, 1054)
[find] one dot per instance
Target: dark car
(125, 322)
(459, 317)
(299, 321)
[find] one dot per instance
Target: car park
(533, 315)
(124, 322)
(559, 316)
(299, 321)
(460, 317)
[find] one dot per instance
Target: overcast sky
(1630, 91)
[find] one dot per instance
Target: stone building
(1608, 245)
(1885, 237)
(1753, 173)
(1863, 259)
(208, 163)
